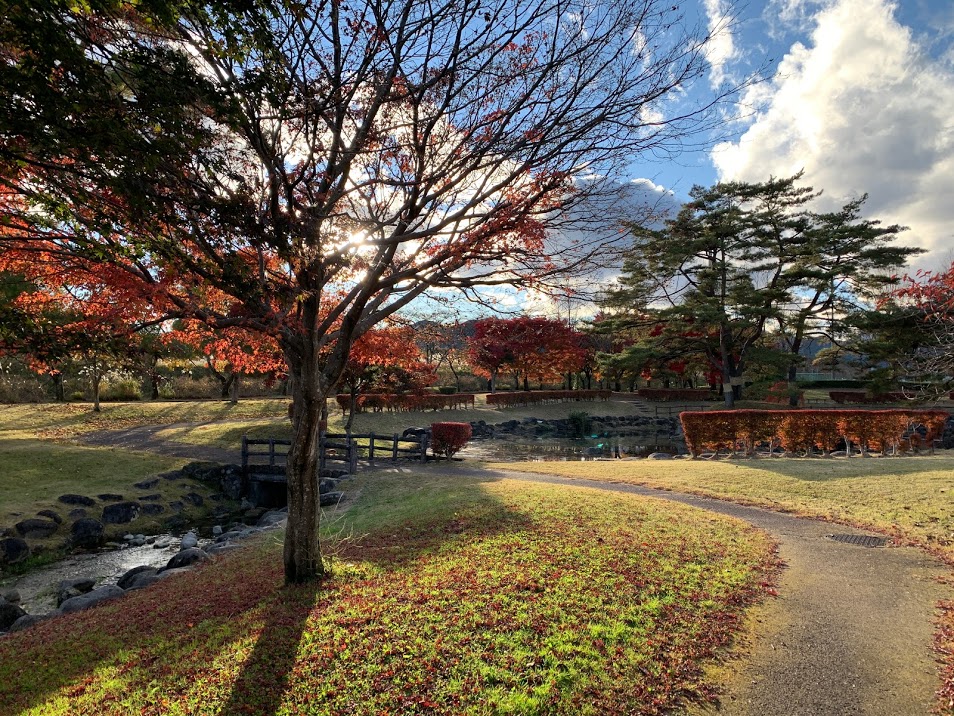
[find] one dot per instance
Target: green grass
(58, 420)
(909, 497)
(449, 596)
(36, 472)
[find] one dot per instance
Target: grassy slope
(912, 497)
(495, 597)
(908, 497)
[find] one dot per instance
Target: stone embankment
(82, 593)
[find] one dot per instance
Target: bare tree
(325, 164)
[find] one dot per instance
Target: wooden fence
(337, 450)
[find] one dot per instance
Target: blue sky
(859, 94)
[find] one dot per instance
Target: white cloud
(720, 49)
(861, 108)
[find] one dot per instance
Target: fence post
(244, 452)
(353, 457)
(371, 448)
(271, 451)
(394, 453)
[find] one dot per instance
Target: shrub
(675, 394)
(809, 430)
(522, 397)
(447, 389)
(448, 438)
(580, 423)
(120, 388)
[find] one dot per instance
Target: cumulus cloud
(862, 108)
(720, 49)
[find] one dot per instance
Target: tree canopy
(746, 271)
(324, 164)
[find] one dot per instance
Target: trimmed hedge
(393, 402)
(810, 430)
(665, 394)
(448, 438)
(535, 397)
(846, 396)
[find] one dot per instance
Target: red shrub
(509, 400)
(675, 394)
(448, 438)
(809, 430)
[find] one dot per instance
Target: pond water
(562, 450)
(106, 567)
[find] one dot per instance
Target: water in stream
(36, 588)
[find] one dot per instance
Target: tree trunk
(59, 392)
(234, 392)
(302, 553)
(97, 382)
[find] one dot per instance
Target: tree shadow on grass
(266, 674)
(148, 630)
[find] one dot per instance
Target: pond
(562, 450)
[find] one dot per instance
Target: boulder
(273, 517)
(51, 514)
(166, 573)
(152, 508)
(149, 498)
(176, 506)
(86, 532)
(13, 550)
(189, 540)
(222, 547)
(330, 499)
(110, 497)
(35, 528)
(659, 456)
(10, 595)
(161, 543)
(130, 576)
(186, 558)
(120, 513)
(9, 613)
(85, 601)
(146, 484)
(28, 620)
(77, 500)
(143, 580)
(195, 498)
(217, 530)
(77, 514)
(69, 588)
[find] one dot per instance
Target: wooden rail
(342, 448)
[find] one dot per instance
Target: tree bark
(302, 553)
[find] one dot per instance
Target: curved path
(850, 633)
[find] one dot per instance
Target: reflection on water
(557, 450)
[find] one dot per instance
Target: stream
(106, 567)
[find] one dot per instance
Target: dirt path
(146, 438)
(850, 633)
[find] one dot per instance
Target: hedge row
(535, 397)
(846, 396)
(395, 402)
(448, 438)
(805, 431)
(675, 394)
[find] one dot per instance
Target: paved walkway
(850, 633)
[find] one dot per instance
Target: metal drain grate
(861, 540)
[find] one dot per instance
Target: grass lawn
(449, 596)
(909, 497)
